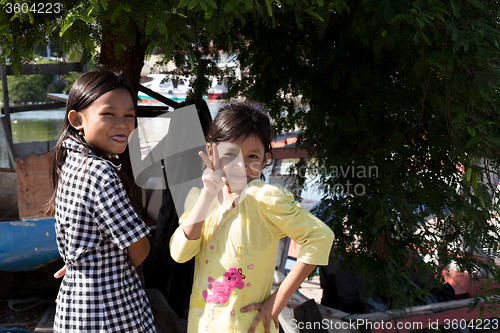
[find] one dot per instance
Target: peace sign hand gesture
(212, 178)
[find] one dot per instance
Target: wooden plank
(8, 195)
(59, 68)
(328, 312)
(8, 138)
(33, 148)
(58, 97)
(36, 107)
(34, 184)
(5, 92)
(46, 323)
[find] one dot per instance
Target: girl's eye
(130, 115)
(254, 156)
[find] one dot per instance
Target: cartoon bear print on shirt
(232, 279)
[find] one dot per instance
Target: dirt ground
(30, 317)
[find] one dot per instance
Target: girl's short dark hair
(237, 121)
(85, 91)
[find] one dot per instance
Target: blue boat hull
(25, 245)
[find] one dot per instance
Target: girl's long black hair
(237, 121)
(86, 89)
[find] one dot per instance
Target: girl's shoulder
(267, 193)
(97, 168)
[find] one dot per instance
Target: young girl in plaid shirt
(99, 235)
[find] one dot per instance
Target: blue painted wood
(25, 245)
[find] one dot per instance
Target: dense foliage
(399, 99)
(31, 88)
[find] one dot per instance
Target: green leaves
(116, 12)
(268, 5)
(118, 48)
(231, 5)
(455, 5)
(79, 13)
(208, 6)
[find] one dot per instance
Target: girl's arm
(193, 225)
(272, 307)
(212, 184)
(138, 251)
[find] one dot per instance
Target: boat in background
(176, 90)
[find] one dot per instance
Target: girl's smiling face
(107, 122)
(242, 161)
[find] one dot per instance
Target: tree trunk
(127, 64)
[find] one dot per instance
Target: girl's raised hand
(212, 178)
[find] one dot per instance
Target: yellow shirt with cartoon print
(236, 254)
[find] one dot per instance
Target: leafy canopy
(408, 90)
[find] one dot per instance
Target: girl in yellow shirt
(233, 225)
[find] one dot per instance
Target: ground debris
(24, 318)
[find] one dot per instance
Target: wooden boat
(27, 244)
(452, 316)
(449, 316)
(8, 195)
(27, 238)
(24, 244)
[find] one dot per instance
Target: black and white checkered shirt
(95, 223)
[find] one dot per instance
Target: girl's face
(242, 161)
(107, 122)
